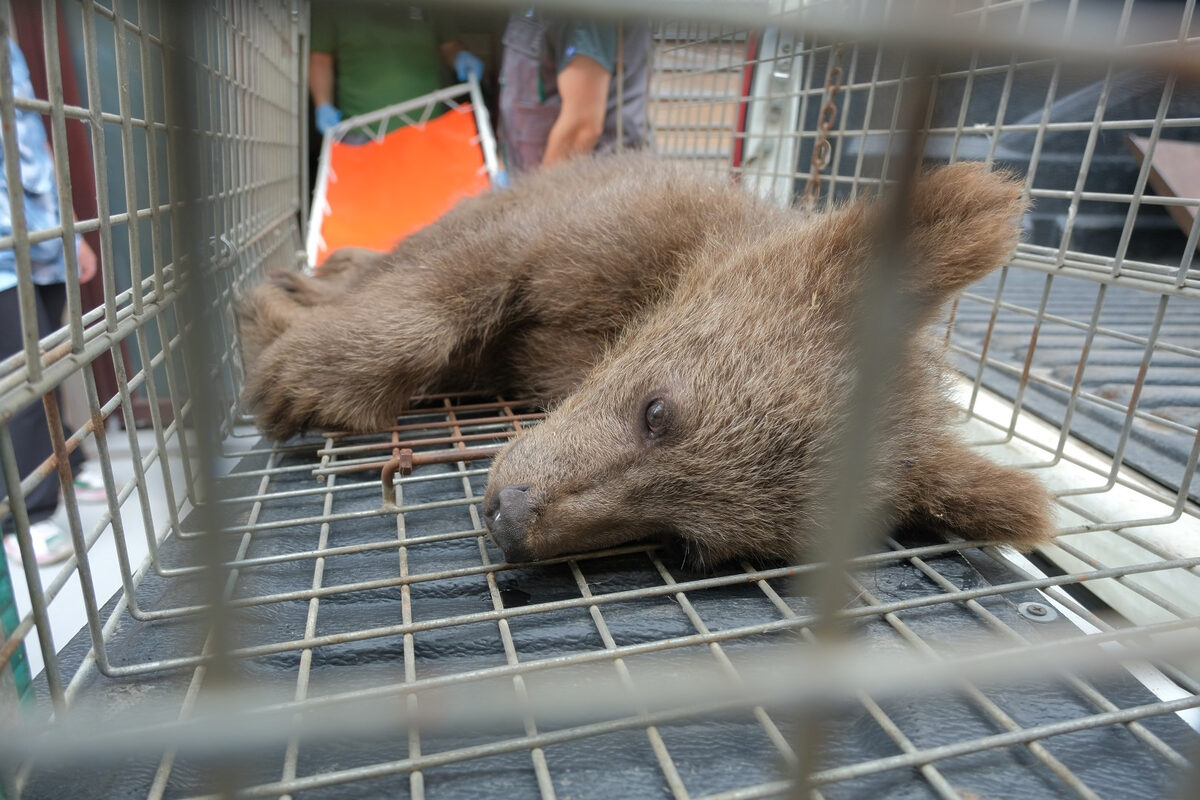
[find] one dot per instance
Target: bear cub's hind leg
(956, 491)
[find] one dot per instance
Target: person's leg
(30, 435)
(53, 298)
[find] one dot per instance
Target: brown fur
(607, 283)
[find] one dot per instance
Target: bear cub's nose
(506, 515)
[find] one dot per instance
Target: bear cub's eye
(657, 416)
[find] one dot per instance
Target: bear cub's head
(715, 419)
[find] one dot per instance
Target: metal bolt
(1038, 612)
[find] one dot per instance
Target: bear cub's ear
(964, 221)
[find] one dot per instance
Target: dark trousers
(30, 435)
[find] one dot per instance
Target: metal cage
(325, 617)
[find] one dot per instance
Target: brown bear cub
(693, 341)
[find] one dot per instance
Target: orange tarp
(380, 192)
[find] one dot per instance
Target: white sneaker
(89, 484)
(51, 544)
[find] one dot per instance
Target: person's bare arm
(583, 87)
(320, 77)
(88, 262)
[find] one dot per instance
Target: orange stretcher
(373, 194)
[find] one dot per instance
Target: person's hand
(466, 64)
(327, 117)
(87, 261)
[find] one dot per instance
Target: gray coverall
(535, 48)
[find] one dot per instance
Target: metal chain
(825, 123)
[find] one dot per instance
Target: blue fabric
(37, 179)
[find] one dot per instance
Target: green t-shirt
(383, 53)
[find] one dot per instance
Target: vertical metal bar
(1138, 384)
(227, 120)
(936, 780)
(1164, 103)
(661, 754)
(62, 171)
(1006, 91)
(1030, 175)
(300, 25)
(20, 516)
(1189, 786)
(83, 567)
(895, 124)
(1077, 382)
(483, 122)
(416, 779)
(846, 524)
(760, 714)
(100, 168)
(16, 204)
(1089, 693)
(1030, 350)
(1093, 137)
(292, 754)
(620, 86)
(977, 383)
(710, 75)
(540, 768)
(654, 88)
(1189, 252)
(125, 393)
(968, 85)
(690, 119)
(182, 408)
(166, 764)
(105, 459)
(839, 139)
(868, 111)
(196, 304)
(983, 702)
(127, 163)
(1048, 107)
(769, 171)
(149, 107)
(722, 79)
(159, 441)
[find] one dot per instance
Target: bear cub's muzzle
(506, 515)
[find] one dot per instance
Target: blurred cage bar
(289, 624)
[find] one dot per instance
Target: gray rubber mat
(1171, 387)
(448, 579)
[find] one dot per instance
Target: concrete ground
(67, 610)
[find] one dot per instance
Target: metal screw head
(1038, 612)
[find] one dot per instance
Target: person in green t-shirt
(365, 56)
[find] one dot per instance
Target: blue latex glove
(467, 63)
(327, 117)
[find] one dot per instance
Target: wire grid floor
(337, 599)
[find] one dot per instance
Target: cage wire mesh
(325, 616)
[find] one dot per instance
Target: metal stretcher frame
(417, 111)
(247, 61)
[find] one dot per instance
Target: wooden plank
(1174, 172)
